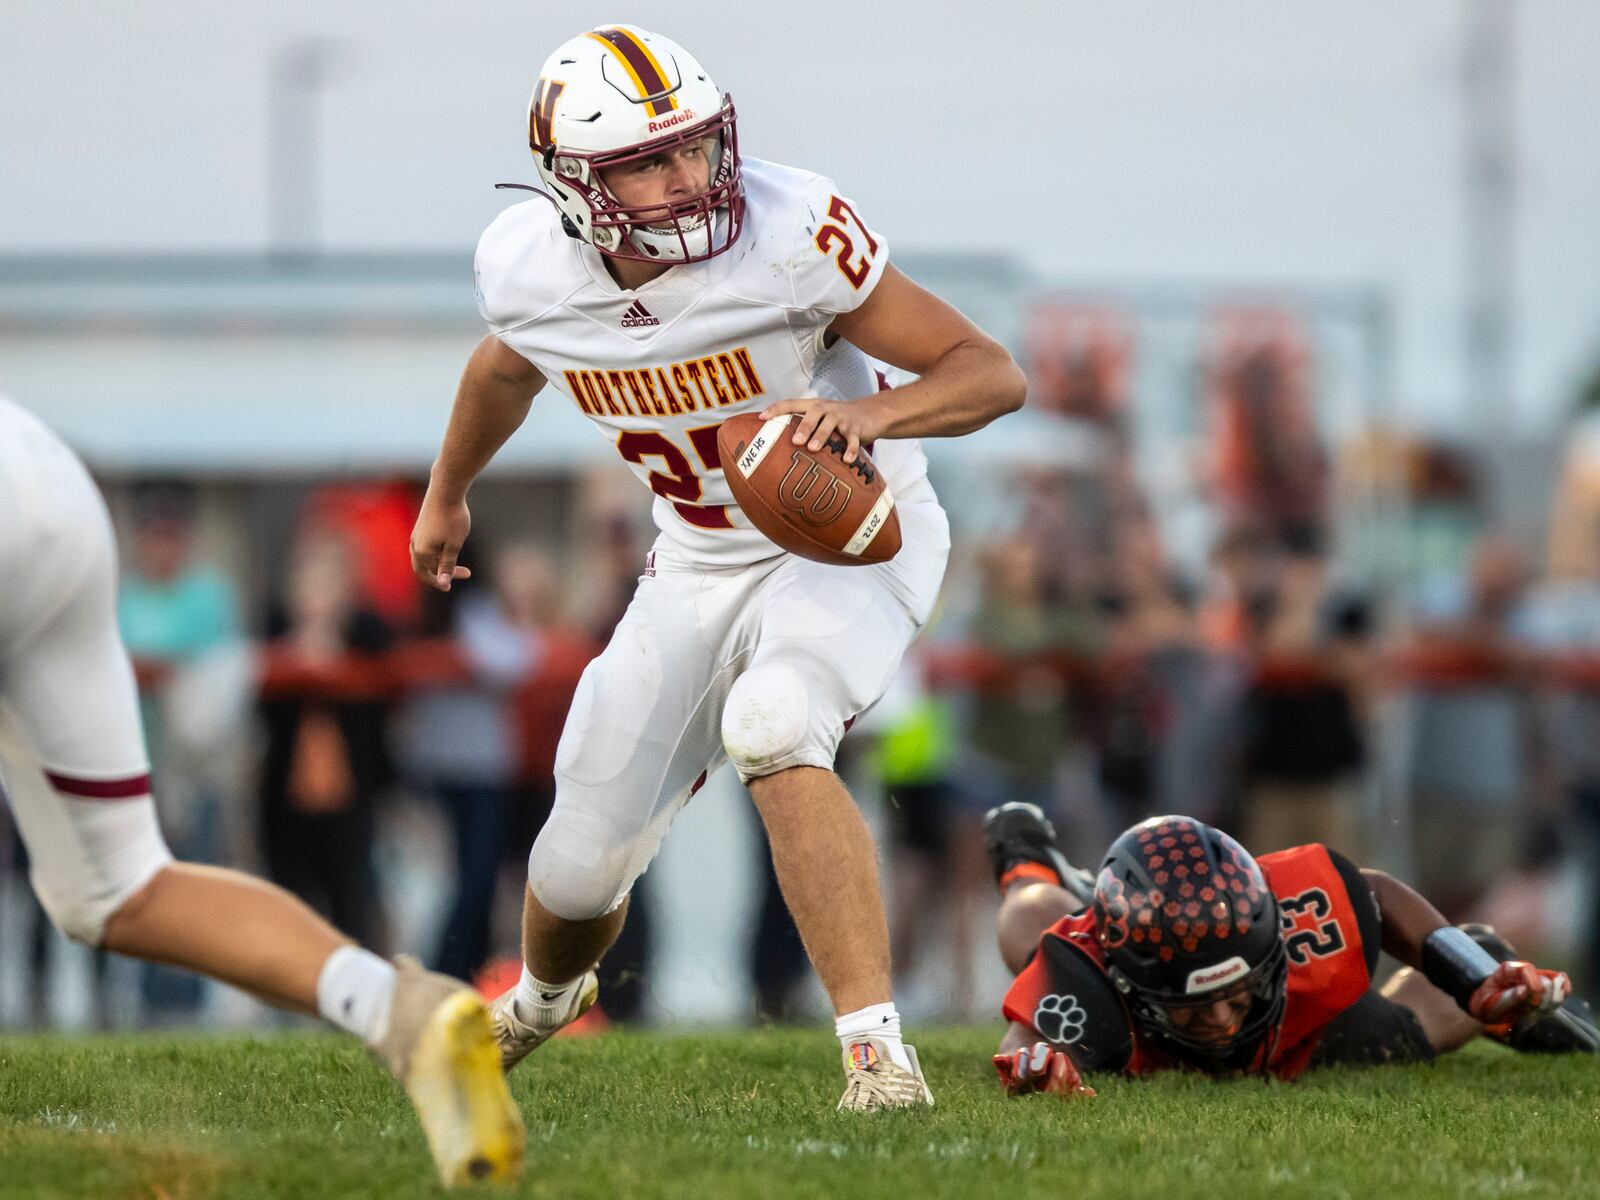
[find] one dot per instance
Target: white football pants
(72, 752)
(765, 664)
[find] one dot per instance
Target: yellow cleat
(441, 1048)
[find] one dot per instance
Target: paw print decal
(1059, 1019)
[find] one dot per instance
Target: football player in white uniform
(74, 769)
(663, 284)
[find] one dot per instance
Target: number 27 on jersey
(839, 236)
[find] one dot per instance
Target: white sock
(541, 1004)
(354, 991)
(881, 1023)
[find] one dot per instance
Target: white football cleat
(518, 1038)
(874, 1080)
(441, 1048)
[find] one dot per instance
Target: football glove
(1040, 1068)
(1517, 990)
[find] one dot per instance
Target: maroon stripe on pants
(100, 789)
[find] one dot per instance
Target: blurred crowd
(1437, 715)
(1441, 721)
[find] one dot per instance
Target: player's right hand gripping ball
(811, 504)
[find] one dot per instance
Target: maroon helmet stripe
(643, 65)
(100, 789)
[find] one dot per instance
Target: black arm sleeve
(1365, 904)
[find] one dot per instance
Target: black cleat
(1019, 833)
(1571, 1029)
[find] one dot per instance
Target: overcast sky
(1231, 140)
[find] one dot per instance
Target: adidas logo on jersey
(637, 315)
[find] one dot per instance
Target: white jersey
(658, 368)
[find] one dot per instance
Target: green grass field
(734, 1115)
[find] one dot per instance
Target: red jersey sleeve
(1033, 982)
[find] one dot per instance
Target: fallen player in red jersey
(1185, 952)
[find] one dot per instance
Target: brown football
(811, 504)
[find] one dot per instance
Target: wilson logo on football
(636, 315)
(819, 497)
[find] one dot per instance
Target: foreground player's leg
(241, 930)
(823, 854)
(75, 768)
(431, 1033)
(104, 874)
(558, 983)
(106, 877)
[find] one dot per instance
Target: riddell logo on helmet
(677, 118)
(1206, 978)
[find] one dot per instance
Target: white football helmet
(619, 93)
